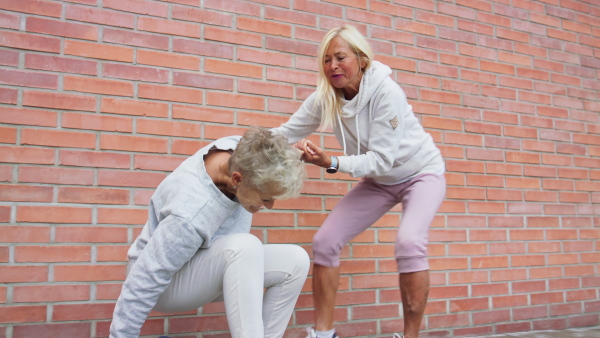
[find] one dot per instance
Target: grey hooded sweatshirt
(187, 212)
(380, 135)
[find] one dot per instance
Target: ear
(362, 63)
(236, 177)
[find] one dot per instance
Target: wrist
(333, 167)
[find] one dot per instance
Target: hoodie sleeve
(302, 123)
(385, 130)
(174, 242)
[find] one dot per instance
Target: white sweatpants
(236, 269)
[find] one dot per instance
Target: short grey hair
(268, 160)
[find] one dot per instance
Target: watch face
(331, 170)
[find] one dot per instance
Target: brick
(28, 79)
(139, 7)
(53, 214)
(97, 122)
(5, 176)
(202, 114)
(446, 292)
(30, 41)
(169, 93)
(29, 117)
(99, 16)
(136, 73)
(8, 95)
(59, 329)
(202, 48)
(202, 81)
(186, 147)
(25, 234)
(112, 253)
(233, 68)
(168, 128)
(300, 77)
(265, 88)
(58, 138)
(60, 64)
(201, 324)
(235, 100)
(22, 274)
(138, 39)
(98, 86)
(201, 16)
(98, 51)
(39, 7)
(232, 36)
(239, 7)
(170, 60)
(61, 28)
(52, 254)
(91, 234)
(168, 27)
(10, 21)
(133, 143)
(295, 47)
(82, 311)
(129, 179)
(92, 195)
(59, 101)
(122, 216)
(8, 135)
(26, 193)
(134, 107)
(23, 314)
(94, 159)
(295, 17)
(374, 311)
(108, 291)
(263, 27)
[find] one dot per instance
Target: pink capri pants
(421, 197)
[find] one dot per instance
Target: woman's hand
(313, 154)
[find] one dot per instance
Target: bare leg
(414, 289)
(325, 285)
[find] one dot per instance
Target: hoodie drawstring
(357, 133)
(343, 136)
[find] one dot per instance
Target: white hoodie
(381, 136)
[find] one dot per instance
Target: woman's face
(253, 200)
(343, 67)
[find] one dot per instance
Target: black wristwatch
(333, 168)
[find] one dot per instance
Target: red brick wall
(101, 99)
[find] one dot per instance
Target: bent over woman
(385, 145)
(196, 248)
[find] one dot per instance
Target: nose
(333, 64)
(270, 204)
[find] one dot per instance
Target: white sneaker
(397, 336)
(312, 334)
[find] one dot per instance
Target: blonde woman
(395, 157)
(196, 248)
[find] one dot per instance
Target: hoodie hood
(369, 83)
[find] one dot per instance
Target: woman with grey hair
(196, 248)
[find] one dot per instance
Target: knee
(411, 246)
(324, 246)
(246, 245)
(300, 260)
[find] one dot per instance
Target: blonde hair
(267, 160)
(328, 97)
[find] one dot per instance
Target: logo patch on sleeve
(394, 122)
